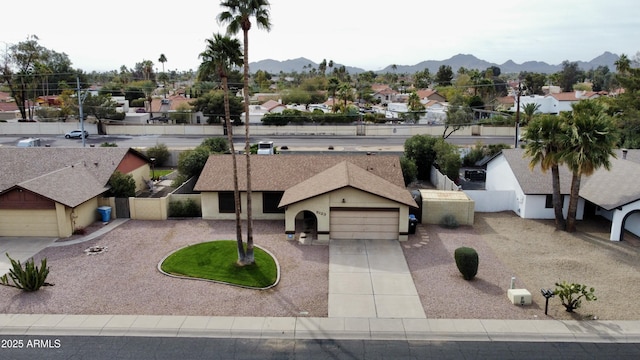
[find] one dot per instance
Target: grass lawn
(160, 172)
(216, 260)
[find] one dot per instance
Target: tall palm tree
(530, 110)
(221, 55)
(332, 87)
(237, 15)
(163, 59)
(589, 145)
(544, 146)
(623, 64)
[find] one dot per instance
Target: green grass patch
(161, 172)
(216, 260)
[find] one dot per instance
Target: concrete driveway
(20, 248)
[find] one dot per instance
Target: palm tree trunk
(573, 202)
(557, 198)
(249, 259)
(236, 191)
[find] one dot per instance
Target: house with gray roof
(54, 191)
(325, 196)
(613, 194)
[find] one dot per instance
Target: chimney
(624, 154)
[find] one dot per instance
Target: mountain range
(461, 60)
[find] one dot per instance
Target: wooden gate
(122, 208)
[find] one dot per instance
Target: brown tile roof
(281, 172)
(176, 101)
(69, 176)
(346, 174)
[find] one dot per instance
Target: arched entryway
(632, 218)
(307, 223)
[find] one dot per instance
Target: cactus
(27, 278)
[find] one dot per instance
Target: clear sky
(370, 34)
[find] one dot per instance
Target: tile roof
(281, 172)
(534, 181)
(596, 188)
(346, 174)
(69, 176)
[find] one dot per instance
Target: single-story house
(52, 192)
(326, 196)
(612, 193)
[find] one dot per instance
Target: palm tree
(623, 64)
(332, 87)
(346, 93)
(544, 146)
(163, 59)
(530, 110)
(221, 55)
(238, 16)
(589, 144)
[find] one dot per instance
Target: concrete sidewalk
(321, 328)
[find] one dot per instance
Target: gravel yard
(125, 279)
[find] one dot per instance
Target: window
(270, 201)
(226, 202)
(548, 203)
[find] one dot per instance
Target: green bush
(159, 152)
(572, 294)
(449, 221)
(27, 278)
(187, 208)
(122, 185)
(467, 262)
(108, 144)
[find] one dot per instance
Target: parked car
(76, 134)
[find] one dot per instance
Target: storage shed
(436, 204)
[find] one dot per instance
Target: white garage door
(364, 223)
(28, 223)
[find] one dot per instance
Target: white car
(76, 134)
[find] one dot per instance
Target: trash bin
(105, 213)
(413, 223)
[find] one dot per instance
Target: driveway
(20, 249)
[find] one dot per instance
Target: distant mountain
(298, 65)
(461, 60)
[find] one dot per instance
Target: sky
(369, 34)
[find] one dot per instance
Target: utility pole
(81, 98)
(518, 115)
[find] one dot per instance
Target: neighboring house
(256, 112)
(427, 95)
(8, 107)
(613, 194)
(383, 93)
(174, 103)
(556, 102)
(328, 196)
(53, 191)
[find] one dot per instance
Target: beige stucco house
(52, 192)
(324, 196)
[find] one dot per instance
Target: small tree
(159, 152)
(572, 294)
(122, 185)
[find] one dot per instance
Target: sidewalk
(321, 328)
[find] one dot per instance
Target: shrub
(27, 278)
(122, 185)
(187, 208)
(159, 152)
(572, 294)
(108, 144)
(449, 221)
(467, 262)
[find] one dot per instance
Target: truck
(265, 148)
(29, 142)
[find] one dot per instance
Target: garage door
(364, 223)
(28, 223)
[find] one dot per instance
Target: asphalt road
(119, 347)
(346, 142)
